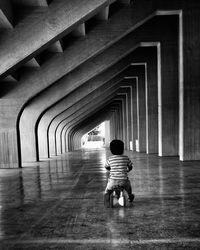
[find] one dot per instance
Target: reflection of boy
(119, 165)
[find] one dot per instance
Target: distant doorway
(94, 138)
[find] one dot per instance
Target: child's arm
(130, 165)
(107, 165)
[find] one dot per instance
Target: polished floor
(58, 204)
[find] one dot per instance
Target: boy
(119, 165)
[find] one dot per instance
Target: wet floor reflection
(63, 197)
(21, 188)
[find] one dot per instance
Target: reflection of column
(161, 191)
(50, 177)
(148, 175)
(1, 216)
(21, 187)
(57, 171)
(161, 177)
(182, 191)
(38, 181)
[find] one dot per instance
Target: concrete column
(112, 127)
(107, 133)
(115, 125)
(52, 144)
(58, 141)
(168, 102)
(135, 125)
(152, 102)
(125, 116)
(122, 131)
(131, 80)
(129, 113)
(167, 80)
(42, 135)
(63, 141)
(9, 150)
(119, 121)
(141, 108)
(189, 90)
(67, 144)
(147, 54)
(139, 72)
(9, 135)
(118, 124)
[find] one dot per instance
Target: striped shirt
(119, 166)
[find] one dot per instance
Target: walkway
(59, 205)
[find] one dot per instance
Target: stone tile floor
(58, 204)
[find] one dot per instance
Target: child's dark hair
(117, 147)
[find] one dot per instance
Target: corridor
(58, 204)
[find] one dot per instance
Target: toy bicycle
(115, 197)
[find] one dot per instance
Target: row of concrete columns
(138, 68)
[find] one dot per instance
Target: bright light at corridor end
(95, 138)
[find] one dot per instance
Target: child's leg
(107, 194)
(109, 186)
(128, 189)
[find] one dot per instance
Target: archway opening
(95, 138)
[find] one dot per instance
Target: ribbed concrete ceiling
(55, 54)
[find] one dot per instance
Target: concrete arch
(80, 105)
(90, 112)
(143, 104)
(94, 122)
(179, 118)
(84, 109)
(70, 128)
